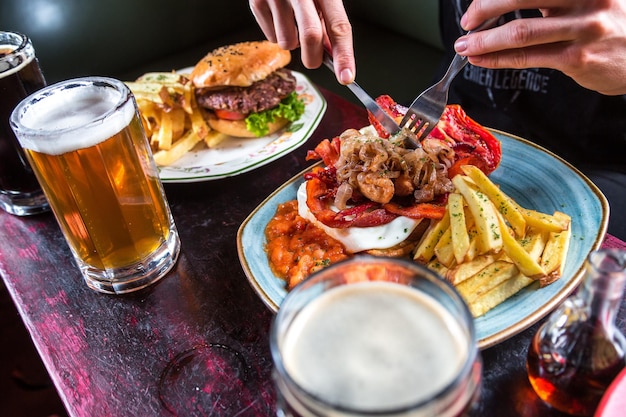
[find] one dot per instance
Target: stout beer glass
(374, 336)
(86, 143)
(20, 75)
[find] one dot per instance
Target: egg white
(358, 239)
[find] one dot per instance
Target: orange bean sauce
(296, 248)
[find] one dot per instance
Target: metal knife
(387, 122)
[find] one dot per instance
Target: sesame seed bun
(240, 64)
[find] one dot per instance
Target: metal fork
(387, 122)
(426, 110)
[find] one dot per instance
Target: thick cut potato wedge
(459, 234)
(489, 247)
(499, 294)
(502, 202)
(426, 247)
(484, 213)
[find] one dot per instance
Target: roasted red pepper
(472, 145)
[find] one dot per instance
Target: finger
(481, 10)
(518, 34)
(542, 56)
(284, 24)
(263, 15)
(311, 32)
(339, 32)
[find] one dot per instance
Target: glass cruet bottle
(579, 350)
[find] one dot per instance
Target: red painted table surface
(107, 354)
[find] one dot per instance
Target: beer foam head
(73, 114)
(12, 64)
(19, 53)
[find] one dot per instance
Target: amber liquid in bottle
(578, 352)
(575, 384)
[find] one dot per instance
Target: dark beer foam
(14, 61)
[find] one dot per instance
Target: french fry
(444, 249)
(484, 214)
(555, 251)
(214, 138)
(516, 252)
(544, 221)
(178, 117)
(458, 227)
(425, 249)
(499, 294)
(486, 279)
(147, 91)
(164, 134)
(502, 201)
(489, 247)
(466, 270)
(438, 267)
(472, 251)
(198, 123)
(178, 149)
(172, 119)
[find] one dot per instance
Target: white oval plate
(534, 177)
(235, 156)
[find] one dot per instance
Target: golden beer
(86, 143)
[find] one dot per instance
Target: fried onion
(379, 168)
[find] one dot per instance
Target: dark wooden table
(108, 355)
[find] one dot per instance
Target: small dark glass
(20, 76)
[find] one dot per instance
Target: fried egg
(358, 239)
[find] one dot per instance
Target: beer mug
(374, 336)
(20, 75)
(85, 141)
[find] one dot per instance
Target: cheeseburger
(246, 90)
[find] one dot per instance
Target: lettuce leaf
(290, 108)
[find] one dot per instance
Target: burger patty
(260, 96)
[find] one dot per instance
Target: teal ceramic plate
(235, 156)
(534, 177)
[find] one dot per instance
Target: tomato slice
(229, 114)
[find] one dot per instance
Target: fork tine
(426, 110)
(419, 126)
(419, 129)
(429, 127)
(415, 123)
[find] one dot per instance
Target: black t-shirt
(542, 105)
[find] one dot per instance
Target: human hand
(585, 39)
(312, 25)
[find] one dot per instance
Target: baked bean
(296, 248)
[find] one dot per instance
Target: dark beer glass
(20, 75)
